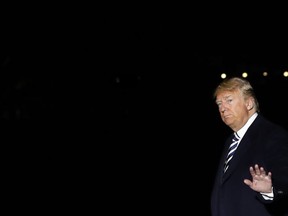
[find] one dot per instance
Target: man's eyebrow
(227, 96)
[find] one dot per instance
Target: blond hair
(237, 84)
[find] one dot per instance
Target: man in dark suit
(252, 177)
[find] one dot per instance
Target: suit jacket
(266, 144)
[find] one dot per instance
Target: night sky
(130, 98)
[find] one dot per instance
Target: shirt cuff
(268, 196)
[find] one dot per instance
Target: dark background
(120, 106)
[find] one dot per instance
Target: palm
(261, 181)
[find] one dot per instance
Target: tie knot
(236, 137)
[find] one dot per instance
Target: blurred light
(285, 74)
(265, 74)
(244, 74)
(223, 75)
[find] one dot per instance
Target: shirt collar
(243, 130)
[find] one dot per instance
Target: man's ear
(250, 104)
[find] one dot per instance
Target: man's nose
(222, 108)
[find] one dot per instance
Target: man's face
(232, 108)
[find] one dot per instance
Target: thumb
(248, 182)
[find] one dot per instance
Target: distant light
(265, 74)
(223, 75)
(285, 74)
(244, 74)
